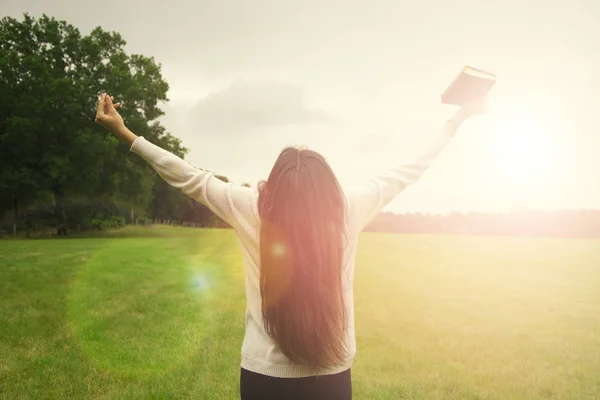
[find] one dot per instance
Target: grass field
(158, 314)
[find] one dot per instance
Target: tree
(18, 178)
(49, 76)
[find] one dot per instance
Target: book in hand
(471, 84)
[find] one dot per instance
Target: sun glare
(522, 156)
(526, 136)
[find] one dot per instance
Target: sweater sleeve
(366, 200)
(230, 203)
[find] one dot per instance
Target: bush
(115, 221)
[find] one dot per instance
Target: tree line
(523, 222)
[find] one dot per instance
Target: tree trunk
(132, 214)
(59, 207)
(16, 208)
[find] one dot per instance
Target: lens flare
(200, 282)
(279, 249)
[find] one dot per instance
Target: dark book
(469, 85)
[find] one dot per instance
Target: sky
(361, 82)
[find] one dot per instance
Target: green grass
(158, 314)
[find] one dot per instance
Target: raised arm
(231, 203)
(367, 200)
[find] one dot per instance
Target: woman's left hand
(107, 115)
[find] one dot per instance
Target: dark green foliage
(50, 147)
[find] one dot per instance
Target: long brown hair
(303, 214)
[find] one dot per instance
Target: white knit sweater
(237, 205)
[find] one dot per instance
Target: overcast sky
(361, 82)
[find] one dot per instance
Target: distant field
(158, 314)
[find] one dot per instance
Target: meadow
(158, 313)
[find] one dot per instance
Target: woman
(298, 234)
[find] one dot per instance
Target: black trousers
(255, 386)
